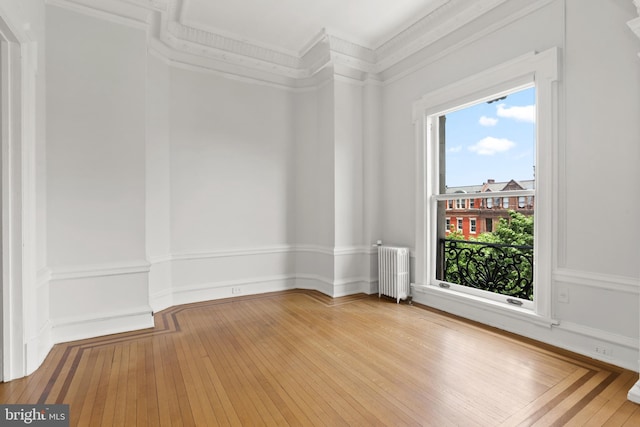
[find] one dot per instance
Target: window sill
(496, 307)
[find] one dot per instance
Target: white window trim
(542, 70)
(473, 221)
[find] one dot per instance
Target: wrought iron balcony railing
(500, 268)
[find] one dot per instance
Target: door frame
(17, 184)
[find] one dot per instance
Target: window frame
(539, 69)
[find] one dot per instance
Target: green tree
(507, 270)
(518, 230)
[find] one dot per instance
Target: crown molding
(442, 21)
(228, 54)
(131, 13)
(235, 47)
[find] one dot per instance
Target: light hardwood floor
(300, 358)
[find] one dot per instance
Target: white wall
(348, 164)
(601, 231)
(314, 150)
(315, 186)
(232, 184)
(602, 129)
(597, 166)
(95, 174)
(158, 182)
(336, 154)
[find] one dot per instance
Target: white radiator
(393, 272)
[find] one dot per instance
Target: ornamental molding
(164, 24)
(447, 18)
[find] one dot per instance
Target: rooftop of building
(492, 186)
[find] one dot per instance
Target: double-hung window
(496, 265)
(484, 268)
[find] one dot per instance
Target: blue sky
(494, 140)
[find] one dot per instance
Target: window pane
(489, 148)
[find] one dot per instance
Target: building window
(521, 202)
(472, 203)
(460, 204)
(460, 225)
(505, 202)
(449, 204)
(489, 225)
(448, 221)
(496, 202)
(472, 226)
(499, 86)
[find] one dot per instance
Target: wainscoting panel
(99, 300)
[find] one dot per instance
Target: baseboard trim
(257, 285)
(38, 348)
(222, 289)
(634, 393)
(161, 300)
(82, 327)
(621, 351)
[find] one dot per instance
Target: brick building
(479, 215)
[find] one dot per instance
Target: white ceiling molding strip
(119, 12)
(162, 19)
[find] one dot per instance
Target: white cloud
(489, 146)
(455, 149)
(487, 121)
(525, 113)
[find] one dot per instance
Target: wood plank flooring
(300, 358)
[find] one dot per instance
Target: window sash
(487, 195)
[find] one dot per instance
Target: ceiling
(291, 25)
